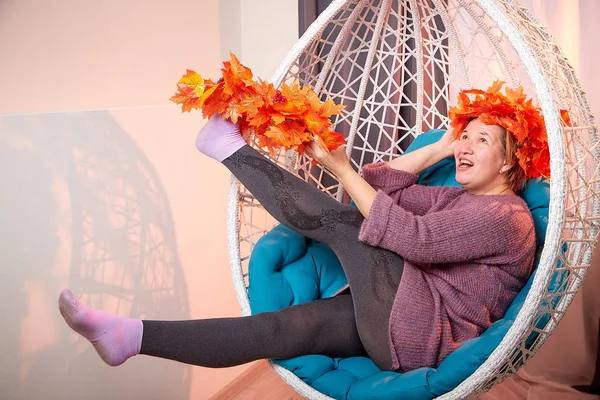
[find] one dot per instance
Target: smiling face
(480, 163)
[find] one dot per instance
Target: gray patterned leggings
(347, 325)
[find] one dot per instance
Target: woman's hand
(336, 160)
(417, 161)
(446, 143)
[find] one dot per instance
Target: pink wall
(115, 203)
(72, 55)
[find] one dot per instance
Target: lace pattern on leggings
(287, 194)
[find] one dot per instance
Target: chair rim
(556, 223)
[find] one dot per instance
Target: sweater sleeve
(400, 186)
(467, 231)
(382, 177)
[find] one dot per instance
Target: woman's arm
(473, 229)
(417, 161)
(337, 162)
(361, 191)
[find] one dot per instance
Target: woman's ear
(504, 168)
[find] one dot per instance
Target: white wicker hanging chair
(397, 65)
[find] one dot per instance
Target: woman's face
(479, 159)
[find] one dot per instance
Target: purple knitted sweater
(465, 259)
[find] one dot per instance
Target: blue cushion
(286, 268)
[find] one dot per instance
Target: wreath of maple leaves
(514, 112)
(289, 117)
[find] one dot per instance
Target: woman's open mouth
(463, 164)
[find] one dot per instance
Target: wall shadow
(75, 187)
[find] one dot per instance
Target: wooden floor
(259, 382)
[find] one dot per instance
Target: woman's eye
(483, 140)
(463, 137)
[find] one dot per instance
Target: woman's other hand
(446, 143)
(336, 160)
(417, 161)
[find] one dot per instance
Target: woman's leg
(373, 274)
(324, 326)
(320, 327)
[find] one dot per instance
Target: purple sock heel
(219, 138)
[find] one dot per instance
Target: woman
(428, 268)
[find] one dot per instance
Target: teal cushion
(286, 268)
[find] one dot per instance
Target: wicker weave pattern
(397, 65)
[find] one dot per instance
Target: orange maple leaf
(294, 102)
(332, 139)
(216, 103)
(315, 123)
(289, 117)
(517, 95)
(513, 112)
(266, 91)
(311, 99)
(289, 134)
(265, 141)
(250, 105)
(564, 115)
(236, 76)
(233, 114)
(278, 118)
(261, 118)
(186, 98)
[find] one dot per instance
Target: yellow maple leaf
(329, 108)
(192, 91)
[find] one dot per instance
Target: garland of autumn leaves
(517, 115)
(290, 117)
